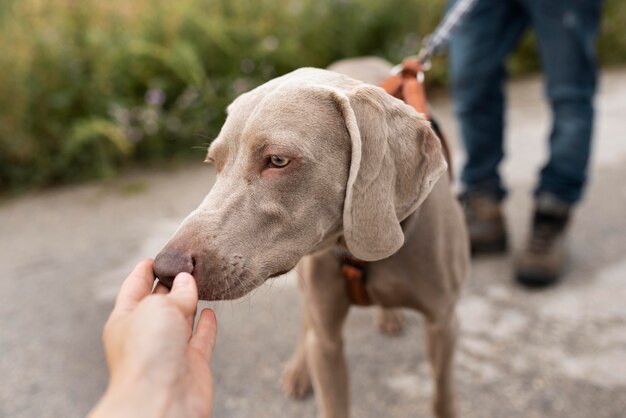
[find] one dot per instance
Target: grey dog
(314, 161)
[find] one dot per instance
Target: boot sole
(498, 246)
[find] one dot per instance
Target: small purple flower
(155, 97)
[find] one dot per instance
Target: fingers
(137, 286)
(206, 332)
(184, 294)
(160, 289)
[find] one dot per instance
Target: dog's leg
(296, 381)
(442, 334)
(389, 321)
(327, 363)
(327, 305)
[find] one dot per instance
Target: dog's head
(301, 161)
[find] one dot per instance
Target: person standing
(566, 32)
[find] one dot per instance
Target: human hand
(156, 366)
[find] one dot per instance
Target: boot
(485, 223)
(542, 262)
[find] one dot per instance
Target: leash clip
(424, 65)
(396, 69)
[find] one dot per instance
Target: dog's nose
(168, 264)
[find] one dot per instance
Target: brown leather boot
(543, 260)
(485, 223)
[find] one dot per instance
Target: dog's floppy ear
(396, 161)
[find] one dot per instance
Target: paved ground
(558, 353)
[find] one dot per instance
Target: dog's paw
(390, 321)
(296, 382)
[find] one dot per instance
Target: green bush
(88, 87)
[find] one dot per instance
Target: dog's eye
(276, 161)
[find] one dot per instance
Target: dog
(313, 165)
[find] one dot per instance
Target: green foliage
(612, 48)
(88, 87)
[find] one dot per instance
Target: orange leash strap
(407, 85)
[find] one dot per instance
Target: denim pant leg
(566, 33)
(478, 50)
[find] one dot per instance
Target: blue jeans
(566, 32)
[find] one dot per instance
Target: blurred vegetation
(88, 87)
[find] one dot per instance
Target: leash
(406, 82)
(407, 85)
(437, 42)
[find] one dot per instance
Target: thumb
(184, 294)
